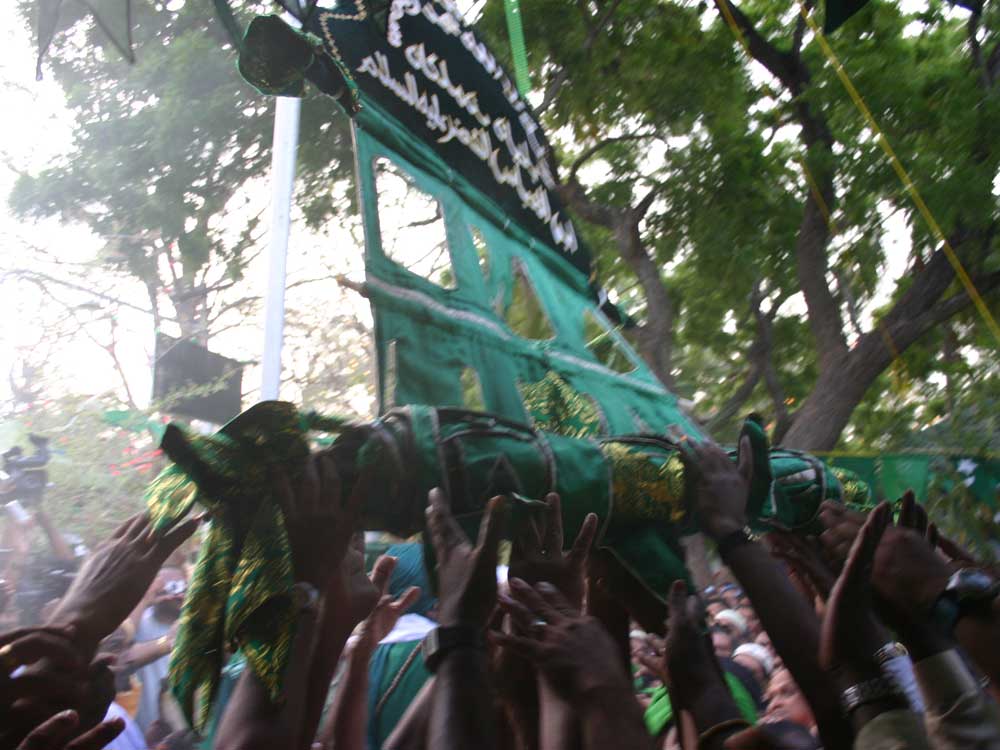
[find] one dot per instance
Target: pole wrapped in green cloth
(239, 595)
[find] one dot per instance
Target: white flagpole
(283, 151)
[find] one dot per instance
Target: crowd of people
(880, 633)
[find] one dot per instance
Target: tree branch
(589, 152)
(781, 65)
(38, 278)
(643, 206)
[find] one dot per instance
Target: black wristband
(441, 640)
(732, 540)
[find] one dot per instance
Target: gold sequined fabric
(555, 406)
(854, 491)
(644, 488)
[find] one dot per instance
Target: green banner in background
(891, 474)
(902, 472)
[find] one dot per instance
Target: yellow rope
(897, 166)
(900, 170)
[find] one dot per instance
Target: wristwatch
(305, 597)
(442, 639)
(888, 652)
(968, 591)
(732, 540)
(869, 691)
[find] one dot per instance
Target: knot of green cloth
(239, 595)
(277, 60)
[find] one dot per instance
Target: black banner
(436, 76)
(197, 383)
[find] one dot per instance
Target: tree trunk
(817, 424)
(656, 336)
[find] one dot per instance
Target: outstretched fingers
(490, 530)
(98, 737)
(407, 599)
(584, 539)
(553, 540)
(382, 572)
(53, 733)
(42, 645)
(445, 531)
(551, 607)
(859, 560)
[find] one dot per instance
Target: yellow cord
(897, 166)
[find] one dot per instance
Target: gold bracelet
(722, 726)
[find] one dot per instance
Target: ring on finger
(8, 663)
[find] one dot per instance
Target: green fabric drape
(238, 597)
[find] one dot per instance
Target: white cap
(733, 617)
(759, 654)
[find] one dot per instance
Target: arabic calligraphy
(479, 140)
(528, 173)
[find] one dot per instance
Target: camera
(27, 477)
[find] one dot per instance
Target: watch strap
(869, 691)
(439, 642)
(888, 652)
(733, 540)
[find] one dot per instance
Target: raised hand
(23, 696)
(850, 633)
(61, 733)
(382, 618)
(320, 525)
(574, 651)
(722, 488)
(804, 559)
(537, 552)
(115, 578)
(842, 526)
(909, 575)
(689, 664)
(466, 575)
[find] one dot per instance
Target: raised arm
(462, 709)
(320, 528)
(346, 724)
(722, 492)
(580, 661)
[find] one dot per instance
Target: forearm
(558, 723)
(613, 719)
(344, 728)
(519, 699)
(462, 707)
(794, 631)
(411, 731)
(709, 706)
(139, 655)
(60, 548)
(326, 656)
(252, 720)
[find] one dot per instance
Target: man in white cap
(757, 659)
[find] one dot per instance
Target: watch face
(971, 583)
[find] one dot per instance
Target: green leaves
(723, 143)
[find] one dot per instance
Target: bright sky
(41, 130)
(37, 128)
